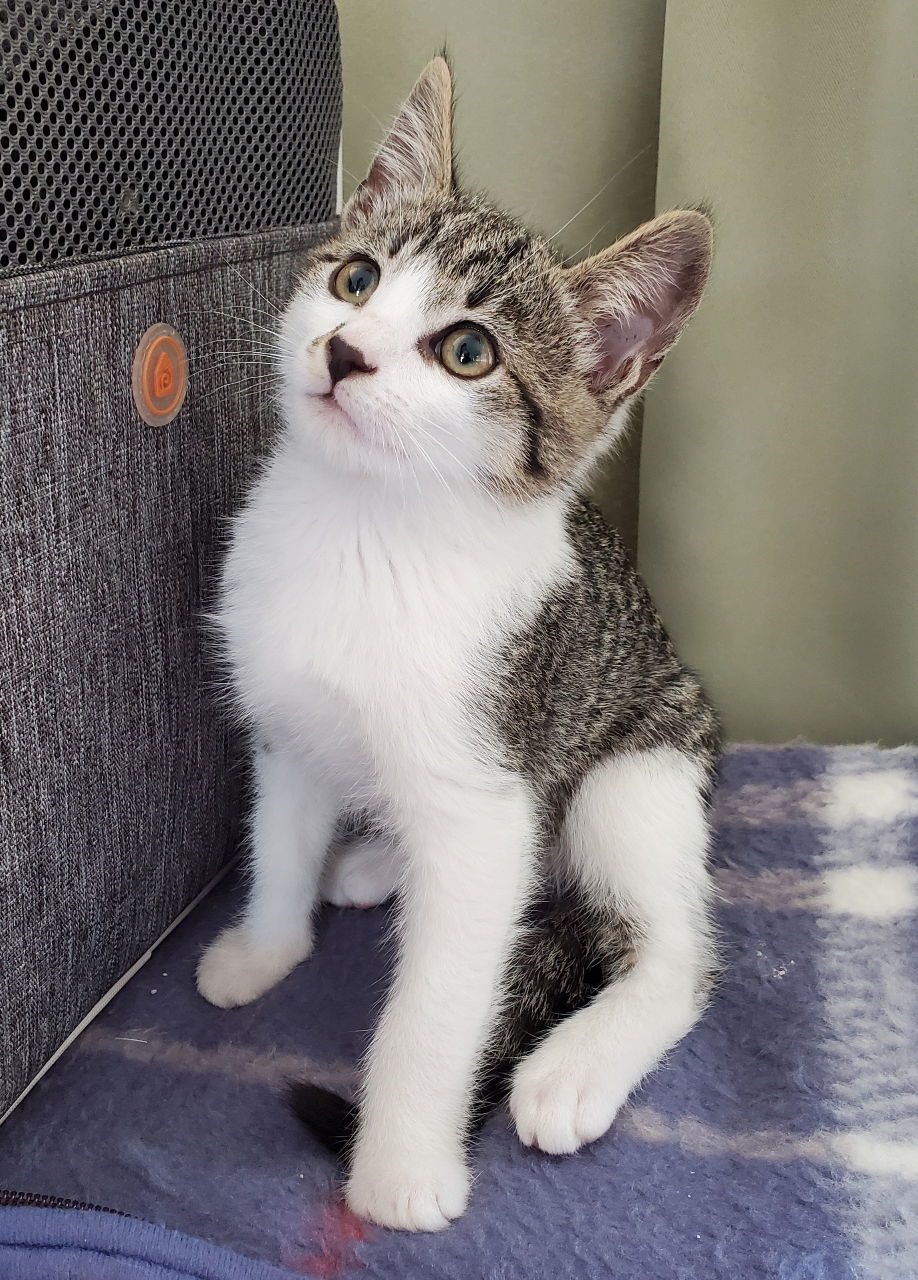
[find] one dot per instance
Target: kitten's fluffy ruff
(409, 534)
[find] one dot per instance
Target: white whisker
(618, 173)
(275, 308)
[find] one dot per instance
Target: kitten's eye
(356, 280)
(468, 353)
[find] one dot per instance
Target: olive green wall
(553, 100)
(779, 475)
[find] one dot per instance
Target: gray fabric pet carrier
(164, 164)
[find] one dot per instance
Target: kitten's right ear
(416, 157)
(638, 294)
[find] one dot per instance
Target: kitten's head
(438, 340)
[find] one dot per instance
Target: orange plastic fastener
(159, 374)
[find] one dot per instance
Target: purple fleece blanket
(780, 1141)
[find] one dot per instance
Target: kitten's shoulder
(602, 563)
(592, 537)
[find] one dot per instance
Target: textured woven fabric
(118, 789)
(780, 1142)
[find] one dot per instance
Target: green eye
(356, 280)
(468, 353)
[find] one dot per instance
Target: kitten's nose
(344, 359)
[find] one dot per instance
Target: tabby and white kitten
(427, 624)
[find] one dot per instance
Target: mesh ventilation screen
(129, 125)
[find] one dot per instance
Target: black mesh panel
(126, 126)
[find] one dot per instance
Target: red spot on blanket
(335, 1236)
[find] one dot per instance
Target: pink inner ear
(639, 293)
(621, 340)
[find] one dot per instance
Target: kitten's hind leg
(362, 872)
(637, 837)
(292, 823)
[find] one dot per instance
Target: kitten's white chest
(356, 622)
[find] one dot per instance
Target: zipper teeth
(28, 1200)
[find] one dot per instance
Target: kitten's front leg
(468, 875)
(292, 824)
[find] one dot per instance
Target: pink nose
(344, 359)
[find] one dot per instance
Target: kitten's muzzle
(343, 359)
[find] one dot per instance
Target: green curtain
(779, 473)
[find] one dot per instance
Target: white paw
(558, 1103)
(362, 874)
(421, 1194)
(234, 971)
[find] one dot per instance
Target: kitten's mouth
(368, 437)
(332, 401)
(339, 418)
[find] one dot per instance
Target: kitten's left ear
(638, 294)
(416, 157)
